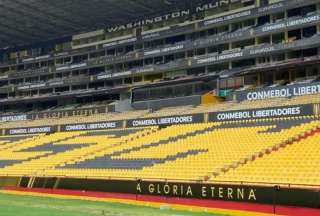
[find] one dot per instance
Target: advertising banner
(283, 111)
(168, 120)
(31, 130)
(279, 92)
(275, 195)
(92, 126)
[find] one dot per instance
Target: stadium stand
(282, 165)
(222, 95)
(170, 111)
(222, 151)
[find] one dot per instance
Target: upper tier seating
(112, 116)
(170, 111)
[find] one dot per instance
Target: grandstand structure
(216, 100)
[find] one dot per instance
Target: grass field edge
(158, 205)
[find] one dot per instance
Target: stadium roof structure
(29, 21)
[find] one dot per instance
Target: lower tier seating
(297, 163)
(257, 151)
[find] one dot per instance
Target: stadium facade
(219, 46)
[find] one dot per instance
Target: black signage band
(275, 112)
(92, 126)
(31, 130)
(167, 120)
(279, 92)
(223, 192)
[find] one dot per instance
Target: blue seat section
(107, 162)
(279, 124)
(51, 147)
(9, 139)
(4, 163)
(115, 133)
(107, 158)
(14, 138)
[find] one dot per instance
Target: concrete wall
(157, 104)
